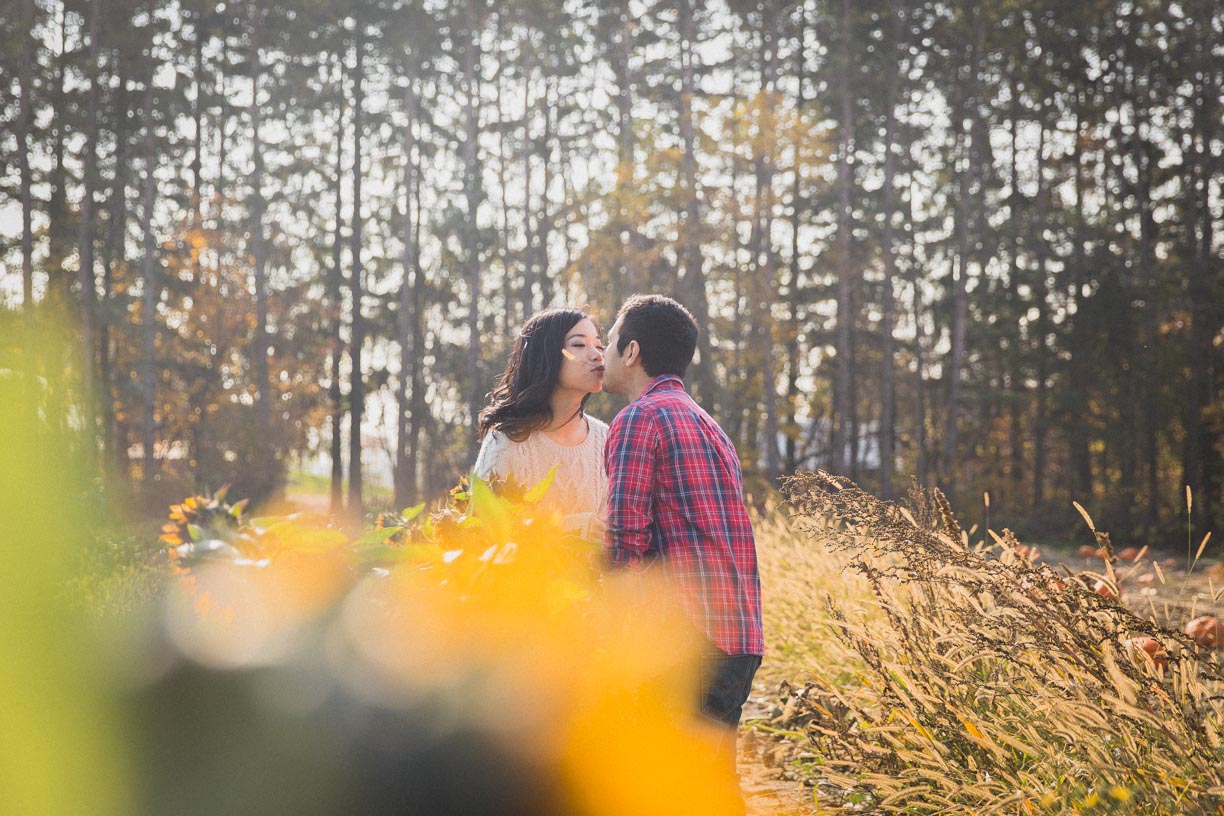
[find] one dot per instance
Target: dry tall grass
(927, 675)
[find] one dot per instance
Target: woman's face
(582, 360)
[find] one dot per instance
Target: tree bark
(1015, 393)
(57, 205)
(336, 304)
(795, 281)
(1081, 454)
(263, 383)
(85, 241)
(1041, 296)
(527, 284)
(356, 501)
(472, 194)
(765, 256)
(920, 426)
(410, 351)
(960, 307)
(1203, 462)
(150, 292)
(25, 129)
(888, 392)
(691, 285)
(843, 408)
(114, 256)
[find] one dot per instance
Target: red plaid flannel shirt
(675, 494)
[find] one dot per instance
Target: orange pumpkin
(1027, 553)
(1106, 589)
(1129, 553)
(1087, 552)
(1207, 631)
(1137, 647)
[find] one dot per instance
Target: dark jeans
(726, 681)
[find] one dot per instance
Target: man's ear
(633, 353)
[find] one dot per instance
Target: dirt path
(767, 789)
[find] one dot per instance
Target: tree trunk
(691, 285)
(960, 305)
(336, 303)
(356, 502)
(1203, 462)
(920, 427)
(197, 142)
(527, 291)
(1015, 393)
(25, 146)
(150, 293)
(263, 382)
(410, 352)
(1081, 454)
(843, 408)
(85, 242)
(114, 256)
(472, 194)
(794, 284)
(1041, 296)
(57, 205)
(766, 256)
(624, 279)
(420, 410)
(1147, 378)
(888, 389)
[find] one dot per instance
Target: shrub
(969, 679)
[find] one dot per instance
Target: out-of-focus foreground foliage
(469, 660)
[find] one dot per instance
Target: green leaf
(219, 496)
(486, 503)
(376, 536)
(536, 493)
(195, 532)
(409, 513)
(238, 509)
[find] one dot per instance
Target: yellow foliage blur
(59, 746)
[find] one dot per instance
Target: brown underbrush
(920, 673)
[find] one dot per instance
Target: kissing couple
(660, 487)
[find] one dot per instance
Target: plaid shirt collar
(662, 382)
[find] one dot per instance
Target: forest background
(974, 243)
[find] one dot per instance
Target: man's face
(614, 368)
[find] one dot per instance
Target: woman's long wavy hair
(518, 406)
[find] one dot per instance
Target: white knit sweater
(579, 492)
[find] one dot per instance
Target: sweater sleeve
(492, 457)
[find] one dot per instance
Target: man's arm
(629, 458)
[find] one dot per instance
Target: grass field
(911, 670)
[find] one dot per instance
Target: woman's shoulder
(598, 427)
(495, 451)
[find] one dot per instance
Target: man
(675, 495)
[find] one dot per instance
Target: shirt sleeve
(629, 457)
(491, 459)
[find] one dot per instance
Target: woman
(537, 418)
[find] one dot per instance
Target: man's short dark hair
(665, 331)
